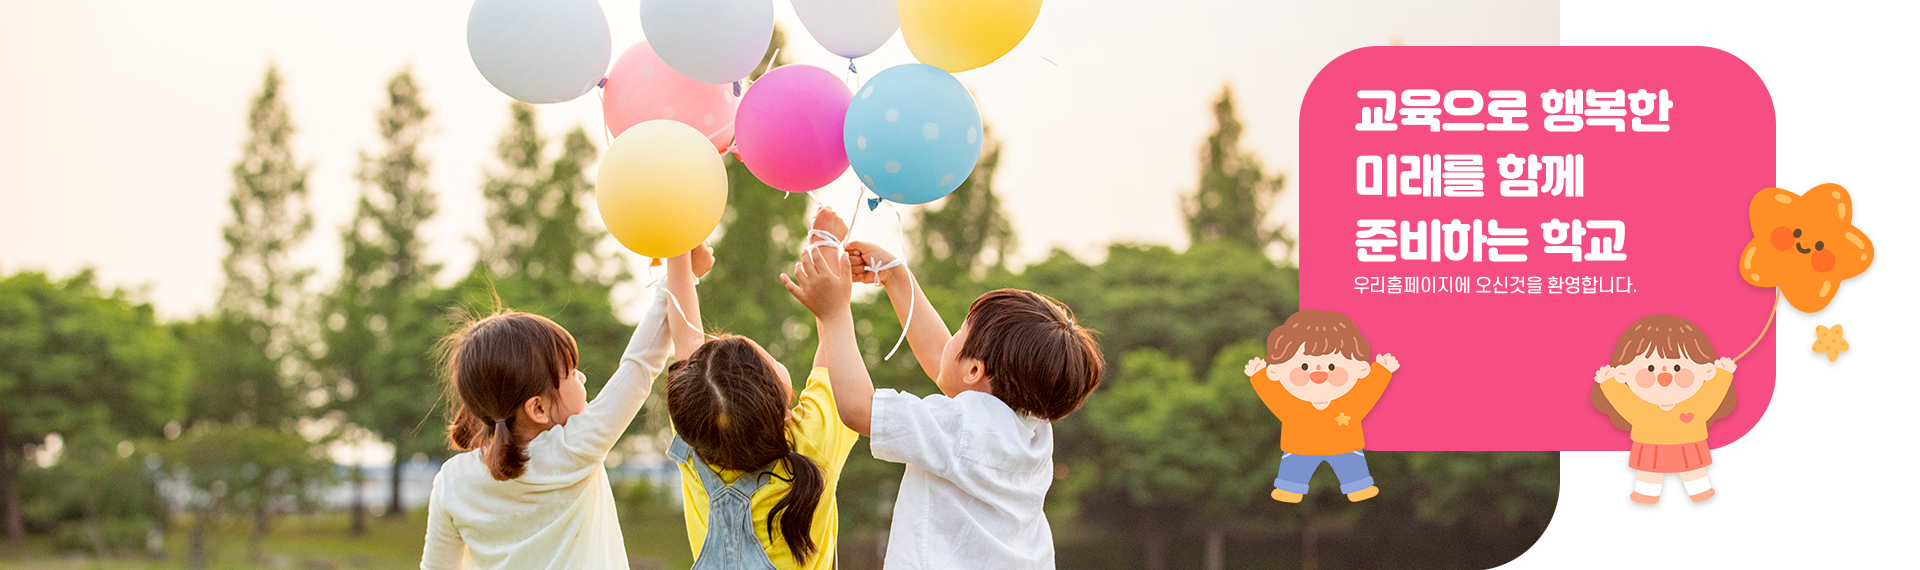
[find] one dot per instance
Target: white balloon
(540, 51)
(849, 28)
(713, 41)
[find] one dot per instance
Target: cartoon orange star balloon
(1805, 244)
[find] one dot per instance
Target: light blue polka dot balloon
(913, 134)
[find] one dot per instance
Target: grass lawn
(322, 542)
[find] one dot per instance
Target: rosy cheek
(1298, 377)
(1822, 261)
(1684, 379)
(1644, 379)
(1782, 238)
(1338, 378)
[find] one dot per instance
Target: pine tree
(252, 357)
(378, 325)
(1235, 195)
(969, 231)
(263, 298)
(545, 252)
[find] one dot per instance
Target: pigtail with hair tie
(505, 458)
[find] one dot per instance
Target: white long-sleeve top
(560, 513)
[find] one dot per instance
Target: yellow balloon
(958, 35)
(661, 188)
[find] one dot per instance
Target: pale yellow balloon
(958, 35)
(662, 188)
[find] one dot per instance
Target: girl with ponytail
(757, 469)
(531, 490)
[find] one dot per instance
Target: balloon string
(1775, 299)
(772, 60)
(606, 133)
(913, 288)
(655, 283)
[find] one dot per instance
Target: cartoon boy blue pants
(1297, 469)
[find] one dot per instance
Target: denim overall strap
(730, 543)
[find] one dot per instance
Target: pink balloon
(791, 125)
(642, 88)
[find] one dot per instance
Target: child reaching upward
(1320, 378)
(1666, 387)
(757, 471)
(531, 490)
(979, 455)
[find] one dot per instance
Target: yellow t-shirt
(1685, 423)
(816, 432)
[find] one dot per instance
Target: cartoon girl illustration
(1665, 386)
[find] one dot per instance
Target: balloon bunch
(675, 103)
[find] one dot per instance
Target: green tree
(1498, 490)
(379, 327)
(969, 231)
(98, 495)
(252, 360)
(546, 253)
(263, 295)
(233, 467)
(78, 360)
(1176, 452)
(1235, 194)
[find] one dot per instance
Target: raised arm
(927, 333)
(1367, 393)
(685, 322)
(824, 220)
(595, 430)
(823, 282)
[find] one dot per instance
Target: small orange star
(1829, 340)
(1341, 419)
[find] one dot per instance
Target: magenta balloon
(642, 88)
(790, 127)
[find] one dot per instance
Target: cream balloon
(849, 28)
(661, 188)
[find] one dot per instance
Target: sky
(120, 121)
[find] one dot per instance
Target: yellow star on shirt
(1341, 419)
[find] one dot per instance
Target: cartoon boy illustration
(1320, 379)
(1666, 385)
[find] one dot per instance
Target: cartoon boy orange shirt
(1320, 379)
(1330, 431)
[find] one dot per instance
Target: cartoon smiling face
(1318, 379)
(1805, 244)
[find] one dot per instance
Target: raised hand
(1254, 366)
(1605, 373)
(822, 281)
(825, 219)
(702, 258)
(863, 255)
(1725, 363)
(1387, 360)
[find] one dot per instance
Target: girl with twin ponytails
(758, 469)
(531, 490)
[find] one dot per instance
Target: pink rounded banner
(1495, 217)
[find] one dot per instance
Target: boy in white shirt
(979, 455)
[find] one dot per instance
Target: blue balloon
(913, 134)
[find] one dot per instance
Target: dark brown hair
(726, 402)
(1321, 332)
(1041, 362)
(494, 365)
(1668, 335)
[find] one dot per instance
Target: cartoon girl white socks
(1644, 492)
(1699, 489)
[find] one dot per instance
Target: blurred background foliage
(128, 442)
